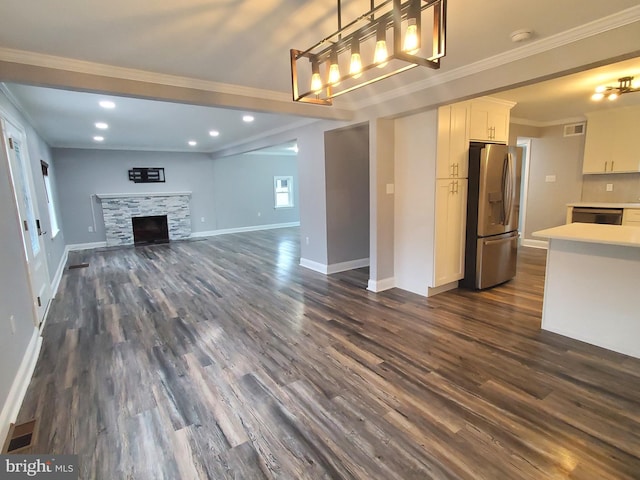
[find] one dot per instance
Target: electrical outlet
(609, 187)
(306, 240)
(202, 219)
(12, 321)
(90, 229)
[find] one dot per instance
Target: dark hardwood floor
(224, 359)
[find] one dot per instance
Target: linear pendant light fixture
(385, 41)
(625, 85)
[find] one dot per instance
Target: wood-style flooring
(224, 359)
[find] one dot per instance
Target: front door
(32, 233)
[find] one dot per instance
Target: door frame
(39, 313)
(524, 193)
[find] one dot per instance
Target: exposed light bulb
(381, 54)
(316, 83)
(411, 43)
(355, 69)
(612, 96)
(597, 96)
(334, 74)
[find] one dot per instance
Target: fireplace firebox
(150, 229)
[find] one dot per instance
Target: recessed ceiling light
(193, 143)
(107, 104)
(98, 138)
(102, 125)
(248, 118)
(214, 133)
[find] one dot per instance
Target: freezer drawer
(496, 260)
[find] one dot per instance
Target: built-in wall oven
(610, 216)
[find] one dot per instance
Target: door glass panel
(26, 197)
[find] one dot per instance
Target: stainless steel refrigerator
(492, 215)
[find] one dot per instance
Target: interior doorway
(523, 185)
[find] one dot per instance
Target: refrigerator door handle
(505, 174)
(510, 189)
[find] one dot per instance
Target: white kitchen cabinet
(631, 217)
(453, 141)
(489, 120)
(610, 144)
(450, 224)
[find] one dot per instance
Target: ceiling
(240, 49)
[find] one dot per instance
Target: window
(283, 188)
(52, 209)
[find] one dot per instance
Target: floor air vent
(79, 265)
(21, 437)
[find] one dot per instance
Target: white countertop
(594, 233)
(603, 205)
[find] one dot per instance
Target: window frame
(51, 206)
(289, 191)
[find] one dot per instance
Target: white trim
(552, 123)
(524, 193)
(254, 228)
(103, 196)
(84, 246)
(56, 280)
(527, 242)
(431, 291)
(601, 25)
(381, 285)
(350, 265)
(18, 390)
(315, 266)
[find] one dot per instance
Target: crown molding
(551, 123)
(602, 25)
(91, 68)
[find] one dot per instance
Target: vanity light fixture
(364, 49)
(625, 85)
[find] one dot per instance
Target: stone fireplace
(119, 209)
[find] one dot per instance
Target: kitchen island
(592, 285)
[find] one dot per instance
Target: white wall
(415, 161)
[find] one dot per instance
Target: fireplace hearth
(150, 229)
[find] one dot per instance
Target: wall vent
(574, 129)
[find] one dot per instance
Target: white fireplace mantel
(103, 196)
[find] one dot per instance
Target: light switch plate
(390, 188)
(609, 187)
(550, 178)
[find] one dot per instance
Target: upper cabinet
(489, 120)
(610, 145)
(453, 141)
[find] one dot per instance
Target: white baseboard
(350, 265)
(381, 285)
(527, 242)
(315, 266)
(254, 228)
(18, 390)
(58, 277)
(441, 289)
(85, 246)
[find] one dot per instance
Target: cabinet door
(598, 145)
(625, 155)
(450, 223)
(453, 141)
(489, 121)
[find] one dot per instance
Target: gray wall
(553, 154)
(347, 190)
(243, 190)
(626, 188)
(226, 193)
